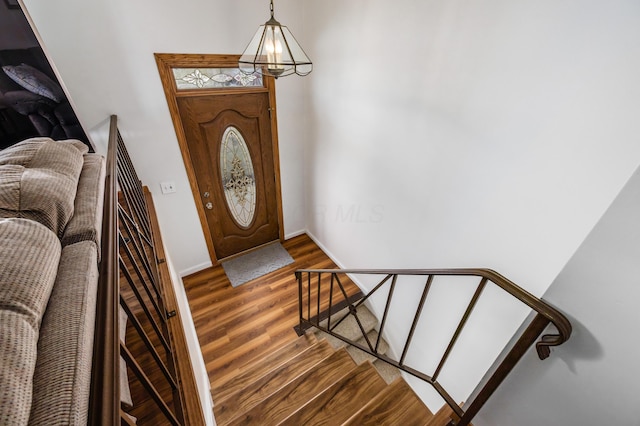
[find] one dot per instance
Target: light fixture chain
(271, 8)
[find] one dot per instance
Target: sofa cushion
(39, 179)
(29, 256)
(18, 342)
(10, 177)
(86, 222)
(62, 377)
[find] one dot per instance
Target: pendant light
(274, 51)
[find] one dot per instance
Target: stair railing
(130, 279)
(313, 299)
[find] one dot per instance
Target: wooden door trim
(167, 61)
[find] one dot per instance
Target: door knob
(209, 206)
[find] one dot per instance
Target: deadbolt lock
(206, 195)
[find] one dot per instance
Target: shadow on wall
(583, 346)
(32, 101)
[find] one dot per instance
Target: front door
(225, 123)
(229, 139)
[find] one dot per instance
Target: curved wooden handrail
(560, 322)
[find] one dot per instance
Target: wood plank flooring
(279, 406)
(236, 325)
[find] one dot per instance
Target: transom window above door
(214, 78)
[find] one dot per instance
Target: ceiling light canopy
(274, 51)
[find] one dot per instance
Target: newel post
(299, 331)
(526, 340)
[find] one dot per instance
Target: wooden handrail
(561, 322)
(104, 402)
(545, 315)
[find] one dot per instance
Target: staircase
(318, 379)
(350, 330)
(310, 382)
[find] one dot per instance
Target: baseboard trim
(295, 234)
(204, 265)
(194, 269)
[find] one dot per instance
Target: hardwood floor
(236, 325)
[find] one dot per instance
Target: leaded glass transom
(214, 78)
(238, 179)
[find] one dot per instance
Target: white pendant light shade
(274, 51)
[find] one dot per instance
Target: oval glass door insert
(238, 179)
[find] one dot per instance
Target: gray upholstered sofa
(51, 195)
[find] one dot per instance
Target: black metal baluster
(125, 220)
(132, 285)
(318, 297)
(416, 318)
(353, 311)
(161, 314)
(461, 325)
(330, 302)
(299, 279)
(386, 311)
(147, 341)
(146, 382)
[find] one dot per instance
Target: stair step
(296, 393)
(388, 372)
(258, 367)
(255, 392)
(360, 356)
(397, 404)
(444, 415)
(349, 327)
(338, 402)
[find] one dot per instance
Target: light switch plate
(167, 187)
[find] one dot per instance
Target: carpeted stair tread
(349, 327)
(256, 368)
(397, 404)
(258, 390)
(338, 402)
(297, 392)
(360, 356)
(388, 372)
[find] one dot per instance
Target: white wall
(103, 51)
(592, 379)
(469, 134)
(433, 134)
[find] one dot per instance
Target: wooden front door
(228, 138)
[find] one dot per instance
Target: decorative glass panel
(238, 180)
(214, 78)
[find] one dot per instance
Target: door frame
(166, 62)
